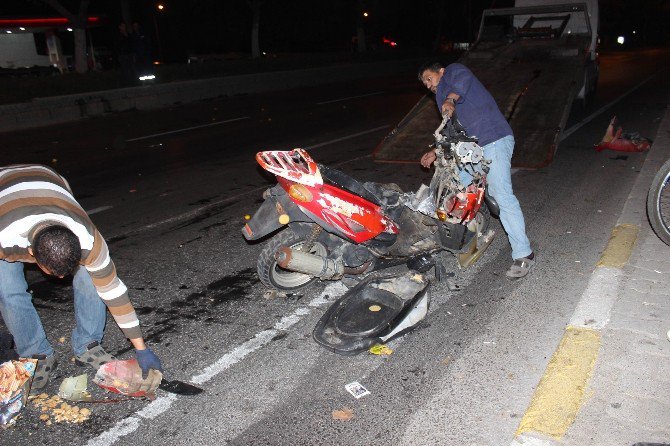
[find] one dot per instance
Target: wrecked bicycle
(327, 225)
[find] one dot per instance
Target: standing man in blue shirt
(457, 89)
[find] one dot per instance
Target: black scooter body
(373, 312)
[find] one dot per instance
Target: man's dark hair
(57, 249)
(432, 66)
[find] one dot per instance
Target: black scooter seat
(373, 312)
(368, 313)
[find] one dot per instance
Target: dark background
(191, 27)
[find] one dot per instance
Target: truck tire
(272, 275)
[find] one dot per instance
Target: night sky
(216, 26)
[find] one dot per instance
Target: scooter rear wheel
(272, 275)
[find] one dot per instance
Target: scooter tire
(272, 275)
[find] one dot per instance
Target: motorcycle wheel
(272, 275)
(483, 219)
(658, 203)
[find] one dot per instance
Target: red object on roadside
(622, 142)
(125, 377)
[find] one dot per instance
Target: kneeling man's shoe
(45, 365)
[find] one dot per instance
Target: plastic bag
(125, 377)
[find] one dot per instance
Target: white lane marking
(594, 307)
(98, 209)
(204, 208)
(344, 138)
(350, 97)
(593, 115)
(187, 129)
(162, 404)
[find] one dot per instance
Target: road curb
(560, 393)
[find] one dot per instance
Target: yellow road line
(560, 393)
(619, 247)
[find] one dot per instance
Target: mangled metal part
(475, 249)
(469, 152)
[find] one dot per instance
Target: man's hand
(448, 108)
(428, 159)
(147, 359)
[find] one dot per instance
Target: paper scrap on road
(357, 389)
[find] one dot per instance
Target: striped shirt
(31, 195)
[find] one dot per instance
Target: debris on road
(380, 349)
(344, 414)
(125, 377)
(54, 409)
(376, 310)
(622, 142)
(179, 388)
(15, 379)
(357, 389)
(74, 388)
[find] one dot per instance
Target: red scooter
(329, 225)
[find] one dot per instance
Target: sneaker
(94, 356)
(45, 365)
(521, 267)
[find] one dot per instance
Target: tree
(79, 23)
(255, 6)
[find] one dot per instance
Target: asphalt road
(169, 190)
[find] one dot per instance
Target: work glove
(147, 359)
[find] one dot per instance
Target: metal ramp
(533, 76)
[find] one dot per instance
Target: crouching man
(42, 223)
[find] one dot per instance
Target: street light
(160, 7)
(365, 14)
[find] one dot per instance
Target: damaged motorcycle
(329, 225)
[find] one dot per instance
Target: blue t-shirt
(476, 109)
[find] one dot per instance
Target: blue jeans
(499, 180)
(24, 324)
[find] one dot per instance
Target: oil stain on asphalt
(208, 305)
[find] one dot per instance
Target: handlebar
(451, 131)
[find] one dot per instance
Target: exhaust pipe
(310, 264)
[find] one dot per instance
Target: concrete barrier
(59, 109)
